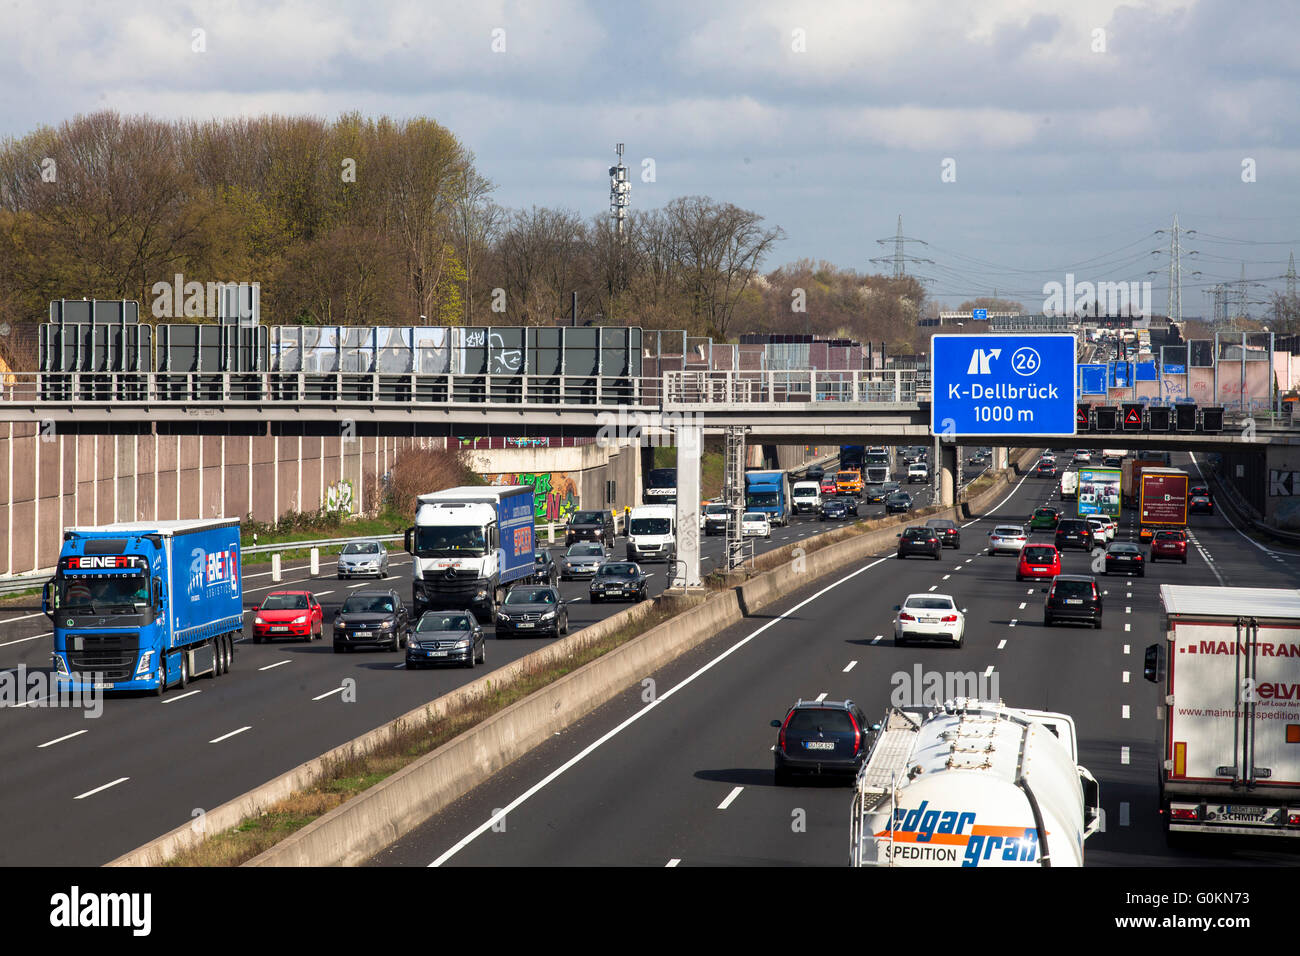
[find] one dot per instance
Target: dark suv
(372, 618)
(922, 541)
(1073, 597)
(590, 526)
(827, 736)
(1073, 533)
(946, 529)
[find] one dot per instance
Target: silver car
(582, 560)
(363, 557)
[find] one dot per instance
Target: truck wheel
(162, 677)
(185, 670)
(218, 656)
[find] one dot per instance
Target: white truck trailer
(1230, 735)
(973, 783)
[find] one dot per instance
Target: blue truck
(851, 457)
(469, 544)
(768, 492)
(145, 605)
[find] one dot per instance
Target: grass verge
(345, 779)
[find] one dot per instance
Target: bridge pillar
(685, 572)
(999, 458)
(947, 463)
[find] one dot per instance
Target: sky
(1020, 142)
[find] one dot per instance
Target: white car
(1007, 537)
(929, 617)
(755, 524)
(1103, 528)
(1082, 454)
(918, 472)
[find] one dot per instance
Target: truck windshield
(662, 478)
(763, 499)
(650, 526)
(453, 541)
(98, 593)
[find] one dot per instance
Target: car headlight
(146, 663)
(258, 620)
(461, 645)
(301, 619)
(386, 625)
(548, 615)
(59, 665)
(481, 595)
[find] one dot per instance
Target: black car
(1046, 470)
(590, 526)
(1124, 557)
(372, 618)
(900, 502)
(1111, 461)
(850, 504)
(815, 473)
(623, 580)
(530, 609)
(820, 736)
(833, 509)
(874, 494)
(1072, 597)
(545, 571)
(1073, 533)
(1199, 500)
(446, 637)
(946, 529)
(922, 541)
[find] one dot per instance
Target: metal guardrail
(24, 582)
(868, 386)
(321, 543)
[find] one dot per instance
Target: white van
(650, 533)
(806, 496)
(918, 471)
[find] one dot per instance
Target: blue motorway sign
(1175, 369)
(979, 315)
(1092, 379)
(992, 385)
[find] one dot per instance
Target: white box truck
(973, 783)
(1230, 734)
(1069, 485)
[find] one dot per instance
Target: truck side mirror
(409, 540)
(1153, 664)
(49, 599)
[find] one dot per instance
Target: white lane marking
(729, 798)
(1030, 591)
(821, 697)
(172, 700)
(1124, 813)
(1123, 755)
(1124, 712)
(969, 560)
(852, 664)
(988, 671)
(360, 584)
(217, 740)
(23, 640)
(877, 639)
(1125, 678)
(1128, 610)
(947, 576)
(330, 693)
(321, 594)
(59, 740)
(1002, 643)
(1022, 605)
(276, 664)
(1128, 627)
(1013, 622)
(91, 793)
(1126, 648)
(24, 617)
(672, 863)
(638, 715)
(934, 587)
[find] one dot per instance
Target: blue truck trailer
(851, 457)
(145, 605)
(768, 492)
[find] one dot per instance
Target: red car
(1169, 546)
(828, 486)
(294, 614)
(1038, 561)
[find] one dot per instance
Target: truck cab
(651, 533)
(768, 492)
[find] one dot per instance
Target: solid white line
(172, 700)
(91, 793)
(276, 664)
(218, 740)
(1123, 755)
(23, 640)
(852, 664)
(330, 693)
(730, 797)
(657, 702)
(672, 863)
(1002, 643)
(24, 617)
(59, 740)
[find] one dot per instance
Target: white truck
(468, 544)
(806, 497)
(973, 783)
(650, 533)
(1069, 485)
(1230, 735)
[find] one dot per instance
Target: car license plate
(612, 591)
(525, 624)
(819, 745)
(436, 653)
(1074, 600)
(1039, 569)
(363, 634)
(929, 620)
(279, 630)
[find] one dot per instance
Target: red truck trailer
(1162, 501)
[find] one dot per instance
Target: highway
(82, 791)
(687, 780)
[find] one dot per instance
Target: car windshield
(285, 602)
(649, 526)
(898, 496)
(1072, 589)
(812, 719)
(1044, 513)
(754, 517)
(929, 603)
(443, 622)
(1123, 548)
(586, 517)
(542, 557)
(715, 509)
(368, 604)
(1009, 532)
(530, 596)
(922, 534)
(1169, 535)
(940, 523)
(617, 571)
(586, 550)
(362, 547)
(890, 486)
(1039, 554)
